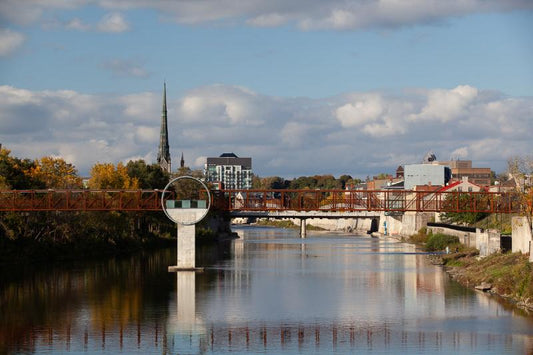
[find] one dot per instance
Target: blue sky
(306, 87)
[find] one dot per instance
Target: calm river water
(267, 292)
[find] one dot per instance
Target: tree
(344, 179)
(270, 182)
(148, 176)
(521, 169)
(55, 173)
(382, 176)
(107, 176)
(464, 201)
(15, 172)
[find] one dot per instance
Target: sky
(308, 87)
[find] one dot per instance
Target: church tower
(163, 155)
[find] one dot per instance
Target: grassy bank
(508, 275)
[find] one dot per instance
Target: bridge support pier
(186, 254)
(303, 228)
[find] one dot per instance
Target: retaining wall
(406, 224)
(349, 225)
(486, 241)
(522, 236)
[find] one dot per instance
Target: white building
(230, 171)
(425, 174)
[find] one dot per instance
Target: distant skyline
(302, 87)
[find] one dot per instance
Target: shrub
(440, 241)
(421, 237)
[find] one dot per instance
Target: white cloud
(356, 133)
(77, 24)
(268, 20)
(199, 162)
(447, 105)
(113, 22)
(110, 23)
(365, 109)
(305, 14)
(10, 41)
(293, 134)
(460, 153)
(222, 105)
(23, 12)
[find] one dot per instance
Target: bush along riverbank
(50, 236)
(31, 237)
(508, 275)
(285, 223)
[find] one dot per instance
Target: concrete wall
(486, 241)
(407, 224)
(350, 225)
(521, 235)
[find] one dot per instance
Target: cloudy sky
(303, 87)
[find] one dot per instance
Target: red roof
(458, 183)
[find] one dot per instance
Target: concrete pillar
(186, 248)
(521, 235)
(303, 228)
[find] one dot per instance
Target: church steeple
(163, 155)
(182, 161)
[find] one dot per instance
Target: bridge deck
(264, 202)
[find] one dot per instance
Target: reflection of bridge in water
(260, 337)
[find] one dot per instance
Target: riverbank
(508, 275)
(284, 224)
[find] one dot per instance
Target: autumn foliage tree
(109, 176)
(55, 173)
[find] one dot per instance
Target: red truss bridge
(249, 201)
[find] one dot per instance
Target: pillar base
(176, 268)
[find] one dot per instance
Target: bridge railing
(367, 200)
(81, 200)
(267, 200)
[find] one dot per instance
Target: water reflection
(269, 291)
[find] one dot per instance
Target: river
(266, 292)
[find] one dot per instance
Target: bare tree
(521, 169)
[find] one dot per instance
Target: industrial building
(425, 174)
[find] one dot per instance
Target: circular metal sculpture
(190, 202)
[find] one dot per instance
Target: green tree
(344, 179)
(15, 172)
(148, 176)
(270, 182)
(464, 201)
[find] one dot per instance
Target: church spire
(182, 161)
(163, 155)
